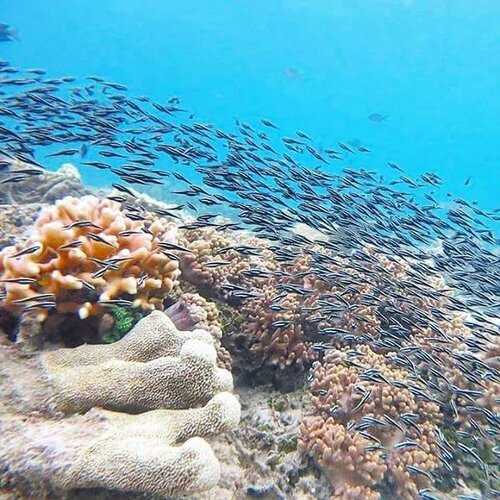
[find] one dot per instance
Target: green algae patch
(288, 445)
(125, 319)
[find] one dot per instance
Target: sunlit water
(320, 66)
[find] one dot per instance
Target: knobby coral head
(85, 253)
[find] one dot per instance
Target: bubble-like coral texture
(208, 247)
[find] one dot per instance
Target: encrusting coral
(14, 221)
(83, 254)
(171, 373)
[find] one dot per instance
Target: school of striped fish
(271, 183)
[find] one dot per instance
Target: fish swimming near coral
(384, 285)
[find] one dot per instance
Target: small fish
(171, 256)
(231, 287)
(245, 295)
(99, 274)
(126, 234)
(345, 147)
(35, 298)
(100, 239)
(14, 180)
(368, 436)
(82, 223)
(392, 422)
(105, 264)
(71, 245)
(173, 246)
(88, 286)
(363, 400)
(113, 85)
(374, 447)
(470, 451)
(320, 346)
(116, 302)
(377, 117)
(26, 251)
(123, 189)
(404, 445)
(41, 305)
(217, 263)
(395, 166)
(64, 152)
(268, 123)
(425, 494)
(118, 199)
(418, 470)
(98, 164)
(7, 34)
(302, 135)
(19, 281)
(282, 323)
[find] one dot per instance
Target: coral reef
(216, 259)
(15, 222)
(357, 435)
(82, 255)
(282, 319)
(45, 188)
(394, 407)
(259, 458)
(169, 376)
(192, 311)
(384, 422)
(380, 406)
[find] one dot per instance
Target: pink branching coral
(83, 254)
(369, 430)
(285, 317)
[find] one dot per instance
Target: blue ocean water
(320, 66)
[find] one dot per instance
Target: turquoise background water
(319, 66)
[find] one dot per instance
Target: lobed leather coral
(83, 253)
(143, 406)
